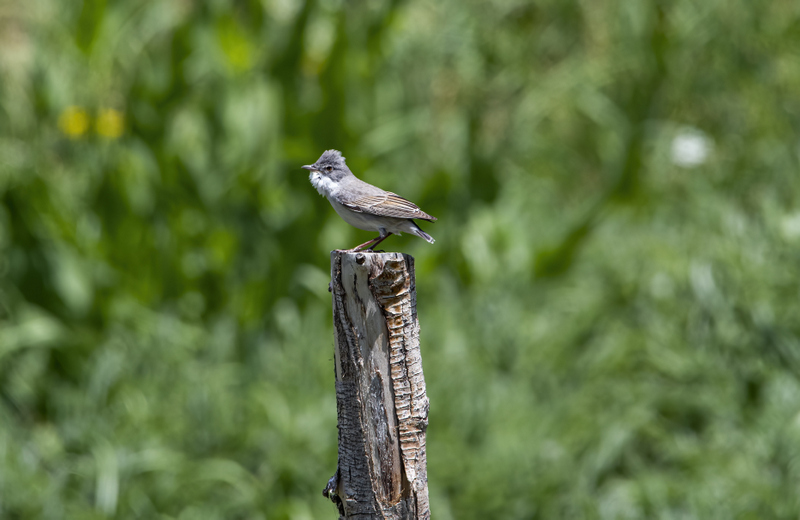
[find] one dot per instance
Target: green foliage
(609, 314)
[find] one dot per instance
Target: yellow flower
(73, 121)
(110, 123)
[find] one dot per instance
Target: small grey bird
(363, 205)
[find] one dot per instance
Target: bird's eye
(329, 168)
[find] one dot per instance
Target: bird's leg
(358, 248)
(375, 241)
(380, 239)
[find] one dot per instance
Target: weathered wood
(380, 389)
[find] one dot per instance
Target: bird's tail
(422, 234)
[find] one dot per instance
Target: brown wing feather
(388, 205)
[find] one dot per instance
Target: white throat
(324, 185)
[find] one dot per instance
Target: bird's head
(330, 164)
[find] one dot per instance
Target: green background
(609, 330)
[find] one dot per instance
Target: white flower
(690, 148)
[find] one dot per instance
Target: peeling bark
(380, 389)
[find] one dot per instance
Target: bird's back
(364, 197)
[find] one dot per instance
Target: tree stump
(381, 403)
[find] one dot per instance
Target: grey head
(330, 164)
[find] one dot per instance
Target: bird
(363, 205)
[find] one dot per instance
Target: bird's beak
(309, 168)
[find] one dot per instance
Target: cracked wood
(380, 389)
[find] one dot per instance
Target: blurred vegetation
(609, 314)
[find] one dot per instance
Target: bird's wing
(387, 204)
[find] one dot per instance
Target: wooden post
(380, 389)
